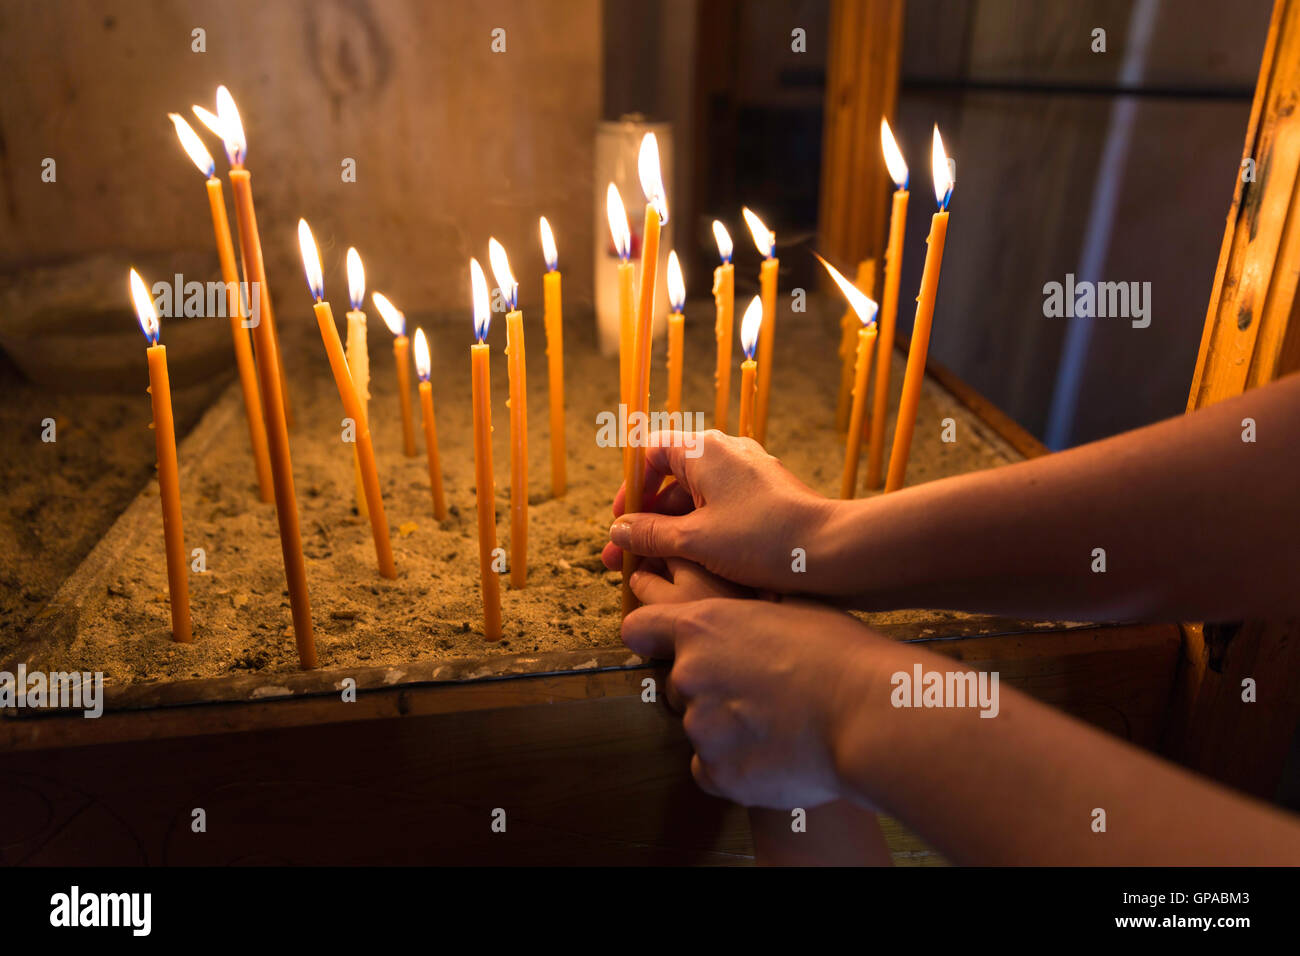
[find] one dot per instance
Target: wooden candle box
(440, 747)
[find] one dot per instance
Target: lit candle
(244, 363)
(169, 482)
(849, 326)
(724, 297)
(484, 480)
(889, 311)
(751, 324)
(358, 356)
(621, 233)
(656, 215)
(228, 125)
(553, 318)
(920, 345)
(515, 366)
(765, 240)
(422, 368)
(270, 376)
(395, 319)
(676, 333)
(865, 309)
(351, 401)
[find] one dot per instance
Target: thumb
(655, 535)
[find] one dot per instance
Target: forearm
(1194, 524)
(1025, 786)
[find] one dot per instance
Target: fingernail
(620, 532)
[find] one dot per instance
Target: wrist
(858, 717)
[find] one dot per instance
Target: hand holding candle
(484, 481)
(423, 366)
(621, 234)
(656, 215)
(516, 367)
(889, 313)
(553, 318)
(765, 240)
(750, 326)
(724, 297)
(351, 402)
(676, 333)
(358, 355)
(865, 309)
(395, 319)
(169, 483)
(920, 344)
(234, 305)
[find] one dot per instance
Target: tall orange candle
(889, 312)
(676, 333)
(621, 234)
(750, 326)
(920, 345)
(244, 363)
(484, 479)
(422, 368)
(273, 393)
(865, 310)
(395, 319)
(516, 365)
(656, 215)
(169, 482)
(358, 356)
(849, 326)
(765, 240)
(724, 299)
(228, 125)
(351, 402)
(553, 318)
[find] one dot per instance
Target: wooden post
(861, 87)
(1250, 339)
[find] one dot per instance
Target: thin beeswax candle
(516, 366)
(865, 309)
(358, 357)
(765, 240)
(750, 327)
(920, 344)
(169, 484)
(484, 480)
(234, 306)
(553, 319)
(724, 298)
(676, 333)
(423, 366)
(351, 402)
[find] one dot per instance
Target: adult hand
(731, 508)
(765, 691)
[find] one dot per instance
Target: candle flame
(209, 119)
(501, 272)
(549, 252)
(356, 280)
(865, 307)
(232, 127)
(619, 230)
(144, 309)
(749, 326)
(311, 260)
(676, 287)
(943, 177)
(723, 239)
(422, 363)
(482, 300)
(393, 317)
(764, 238)
(193, 146)
(894, 161)
(652, 182)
